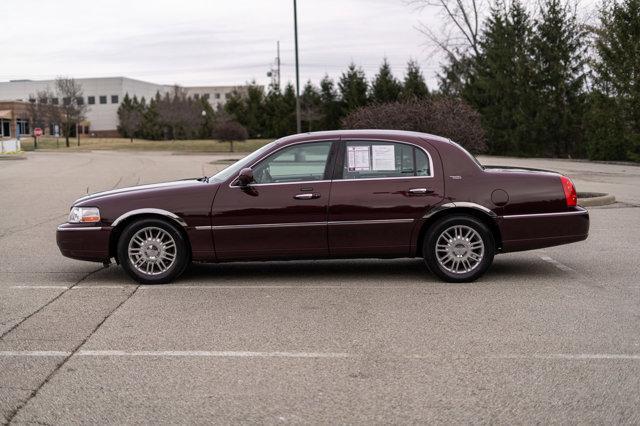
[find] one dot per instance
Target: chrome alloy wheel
(459, 249)
(152, 251)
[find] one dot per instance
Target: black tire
(173, 271)
(446, 272)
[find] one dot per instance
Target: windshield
(235, 168)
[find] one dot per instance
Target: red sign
(37, 132)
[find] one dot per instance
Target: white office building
(103, 96)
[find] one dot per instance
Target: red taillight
(569, 191)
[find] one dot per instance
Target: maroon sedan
(342, 194)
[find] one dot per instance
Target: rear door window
(376, 159)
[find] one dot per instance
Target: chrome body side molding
(465, 204)
(580, 211)
(160, 212)
(80, 228)
(299, 224)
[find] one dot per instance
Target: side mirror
(245, 177)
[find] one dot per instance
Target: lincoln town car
(337, 194)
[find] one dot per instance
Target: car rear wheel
(152, 251)
(459, 248)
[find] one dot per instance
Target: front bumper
(534, 231)
(84, 242)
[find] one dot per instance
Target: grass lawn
(194, 145)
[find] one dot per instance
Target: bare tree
(38, 110)
(460, 32)
(73, 108)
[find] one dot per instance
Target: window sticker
(358, 158)
(384, 157)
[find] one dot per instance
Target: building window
(5, 128)
(217, 95)
(114, 99)
(206, 96)
(54, 101)
(91, 100)
(80, 100)
(196, 96)
(22, 126)
(103, 100)
(66, 101)
(227, 95)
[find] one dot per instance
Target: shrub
(448, 117)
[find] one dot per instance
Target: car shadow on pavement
(363, 272)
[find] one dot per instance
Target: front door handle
(420, 191)
(307, 196)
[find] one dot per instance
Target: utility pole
(295, 28)
(278, 63)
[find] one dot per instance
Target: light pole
(295, 28)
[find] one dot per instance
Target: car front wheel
(459, 248)
(152, 251)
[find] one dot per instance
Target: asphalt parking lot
(548, 336)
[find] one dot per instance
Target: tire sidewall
(434, 232)
(181, 252)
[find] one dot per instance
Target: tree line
(547, 84)
(266, 112)
(523, 81)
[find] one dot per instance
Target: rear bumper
(534, 231)
(84, 242)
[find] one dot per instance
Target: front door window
(297, 163)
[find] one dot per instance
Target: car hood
(140, 190)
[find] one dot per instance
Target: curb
(599, 200)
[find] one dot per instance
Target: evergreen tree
(500, 85)
(310, 107)
(353, 88)
(274, 109)
(558, 54)
(247, 107)
(330, 109)
(454, 74)
(151, 125)
(414, 86)
(385, 87)
(613, 122)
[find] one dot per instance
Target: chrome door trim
(580, 212)
(369, 222)
(267, 225)
(161, 212)
(301, 224)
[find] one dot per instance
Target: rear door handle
(307, 196)
(420, 191)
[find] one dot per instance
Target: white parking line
(101, 286)
(35, 353)
(38, 287)
(301, 286)
(216, 354)
(557, 264)
(286, 354)
(62, 287)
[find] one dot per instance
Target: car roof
(364, 133)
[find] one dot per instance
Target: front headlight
(84, 214)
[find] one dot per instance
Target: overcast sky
(206, 42)
(209, 42)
